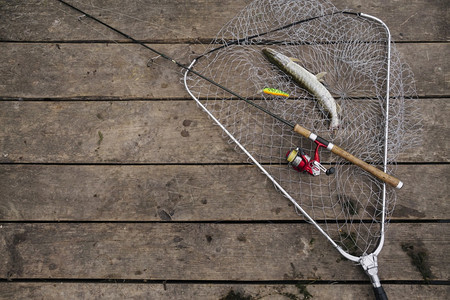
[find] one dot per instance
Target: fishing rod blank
(391, 180)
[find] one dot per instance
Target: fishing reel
(302, 162)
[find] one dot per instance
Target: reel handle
(391, 180)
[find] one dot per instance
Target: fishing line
(83, 17)
(161, 54)
(246, 40)
(131, 17)
(296, 127)
(84, 20)
(292, 125)
(151, 61)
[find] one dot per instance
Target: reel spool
(302, 162)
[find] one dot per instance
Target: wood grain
(109, 172)
(99, 71)
(206, 251)
(151, 132)
(169, 291)
(194, 20)
(181, 193)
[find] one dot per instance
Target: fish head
(271, 54)
(276, 57)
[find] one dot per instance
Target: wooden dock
(115, 185)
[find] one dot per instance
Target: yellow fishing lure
(275, 92)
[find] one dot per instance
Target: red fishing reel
(302, 162)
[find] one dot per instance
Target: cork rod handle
(353, 159)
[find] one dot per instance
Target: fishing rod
(391, 180)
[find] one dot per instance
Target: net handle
(391, 180)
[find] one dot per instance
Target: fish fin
(294, 59)
(338, 108)
(320, 76)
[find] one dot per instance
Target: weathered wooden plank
(141, 131)
(176, 132)
(152, 20)
(193, 20)
(120, 71)
(92, 70)
(430, 68)
(44, 290)
(181, 193)
(206, 251)
(150, 132)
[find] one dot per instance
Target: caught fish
(307, 80)
(275, 92)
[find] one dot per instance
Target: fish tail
(334, 124)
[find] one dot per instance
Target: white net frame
(375, 92)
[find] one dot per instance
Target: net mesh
(353, 52)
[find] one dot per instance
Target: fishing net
(353, 51)
(376, 120)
